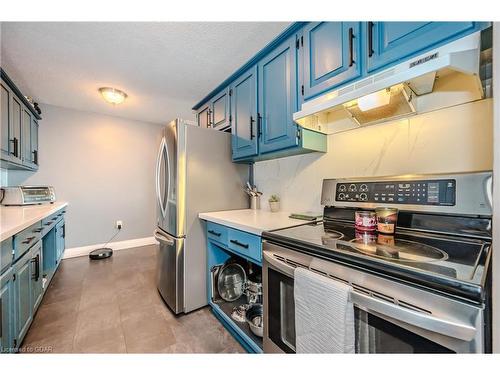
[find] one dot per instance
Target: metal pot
(255, 319)
(231, 281)
(253, 289)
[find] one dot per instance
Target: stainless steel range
(424, 289)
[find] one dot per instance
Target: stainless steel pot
(231, 282)
(253, 291)
(255, 319)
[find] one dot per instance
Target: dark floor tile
(50, 313)
(113, 306)
(98, 317)
(103, 340)
(56, 329)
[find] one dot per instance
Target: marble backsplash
(457, 139)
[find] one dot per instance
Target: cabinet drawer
(27, 238)
(246, 244)
(6, 254)
(49, 222)
(217, 232)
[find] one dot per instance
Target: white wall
(456, 139)
(103, 166)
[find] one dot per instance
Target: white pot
(274, 206)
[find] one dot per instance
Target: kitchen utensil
(254, 317)
(253, 289)
(239, 313)
(365, 221)
(255, 202)
(231, 282)
(387, 219)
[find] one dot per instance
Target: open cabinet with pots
(235, 283)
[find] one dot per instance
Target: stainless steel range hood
(443, 77)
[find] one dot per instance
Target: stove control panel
(423, 192)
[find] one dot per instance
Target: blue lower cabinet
(390, 42)
(217, 232)
(22, 297)
(36, 275)
(225, 244)
(331, 55)
(249, 246)
(7, 311)
(60, 239)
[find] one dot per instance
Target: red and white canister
(365, 221)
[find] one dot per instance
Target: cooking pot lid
(231, 282)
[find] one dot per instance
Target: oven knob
(341, 196)
(363, 197)
(352, 187)
(342, 188)
(363, 187)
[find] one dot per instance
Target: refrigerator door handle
(163, 146)
(164, 238)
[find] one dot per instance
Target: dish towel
(324, 314)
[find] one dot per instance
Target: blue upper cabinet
(389, 42)
(215, 113)
(203, 116)
(219, 109)
(278, 98)
(243, 95)
(331, 53)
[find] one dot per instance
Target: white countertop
(252, 221)
(13, 219)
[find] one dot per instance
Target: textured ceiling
(164, 67)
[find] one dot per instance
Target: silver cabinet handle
(164, 238)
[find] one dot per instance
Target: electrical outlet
(119, 224)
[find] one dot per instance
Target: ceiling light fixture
(112, 95)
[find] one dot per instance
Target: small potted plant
(274, 203)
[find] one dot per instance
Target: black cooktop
(452, 264)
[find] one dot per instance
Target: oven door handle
(279, 265)
(458, 330)
(436, 324)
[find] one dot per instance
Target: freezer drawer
(170, 270)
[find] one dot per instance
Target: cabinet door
(389, 42)
(36, 276)
(34, 141)
(6, 312)
(220, 110)
(331, 55)
(277, 94)
(26, 136)
(204, 116)
(16, 129)
(244, 115)
(5, 116)
(22, 297)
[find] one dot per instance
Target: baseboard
(118, 245)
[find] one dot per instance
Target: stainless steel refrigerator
(194, 173)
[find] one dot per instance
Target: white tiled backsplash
(456, 139)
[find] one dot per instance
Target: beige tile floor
(112, 306)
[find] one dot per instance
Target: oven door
(418, 325)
